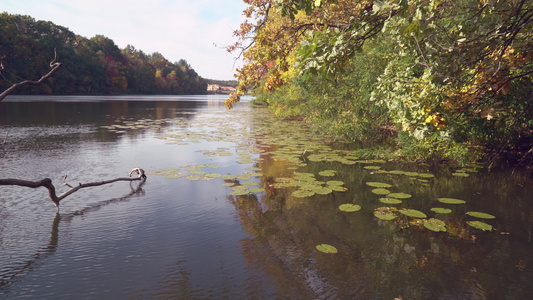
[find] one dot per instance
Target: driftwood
(53, 64)
(47, 183)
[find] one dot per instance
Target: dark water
(183, 239)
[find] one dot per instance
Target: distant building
(215, 88)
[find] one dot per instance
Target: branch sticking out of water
(47, 183)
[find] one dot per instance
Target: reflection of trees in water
(15, 273)
(383, 259)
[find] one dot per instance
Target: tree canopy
(446, 75)
(90, 66)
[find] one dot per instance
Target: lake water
(185, 233)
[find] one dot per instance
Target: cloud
(179, 29)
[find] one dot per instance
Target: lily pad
(338, 188)
(323, 190)
(239, 192)
(175, 175)
(459, 174)
(435, 225)
(413, 213)
(256, 190)
(480, 215)
(441, 210)
(334, 182)
(381, 191)
(385, 213)
(193, 177)
(325, 248)
(399, 195)
(326, 173)
(302, 193)
(379, 184)
(480, 225)
(451, 201)
(390, 200)
(348, 207)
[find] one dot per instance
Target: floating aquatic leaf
(175, 175)
(435, 225)
(399, 195)
(441, 210)
(338, 188)
(244, 177)
(385, 213)
(257, 190)
(451, 201)
(302, 193)
(461, 174)
(380, 191)
(323, 190)
(325, 248)
(413, 213)
(228, 177)
(254, 169)
(239, 192)
(214, 175)
(348, 207)
(411, 174)
(372, 167)
(397, 172)
(390, 200)
(480, 225)
(334, 182)
(480, 215)
(193, 177)
(426, 175)
(196, 172)
(326, 173)
(228, 184)
(379, 184)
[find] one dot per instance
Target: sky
(194, 30)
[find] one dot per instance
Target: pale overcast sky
(194, 30)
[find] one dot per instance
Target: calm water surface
(183, 239)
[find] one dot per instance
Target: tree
(458, 71)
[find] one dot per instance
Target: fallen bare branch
(47, 183)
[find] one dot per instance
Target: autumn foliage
(449, 76)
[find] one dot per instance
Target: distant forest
(92, 66)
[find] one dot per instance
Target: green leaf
(381, 191)
(325, 248)
(480, 215)
(451, 201)
(302, 193)
(480, 225)
(413, 213)
(441, 210)
(348, 207)
(390, 200)
(385, 213)
(399, 195)
(379, 184)
(435, 225)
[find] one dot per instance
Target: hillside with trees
(91, 66)
(437, 79)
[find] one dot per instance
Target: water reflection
(11, 274)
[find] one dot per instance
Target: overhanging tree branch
(53, 64)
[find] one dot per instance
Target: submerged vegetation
(432, 80)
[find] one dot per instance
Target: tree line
(91, 66)
(438, 79)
